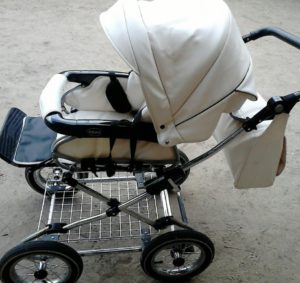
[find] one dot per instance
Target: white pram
(191, 78)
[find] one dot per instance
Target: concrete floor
(256, 232)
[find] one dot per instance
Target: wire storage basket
(68, 206)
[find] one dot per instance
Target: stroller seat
(81, 148)
(99, 148)
(91, 103)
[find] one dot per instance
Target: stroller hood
(191, 61)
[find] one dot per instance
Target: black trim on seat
(10, 134)
(117, 97)
(85, 77)
(85, 128)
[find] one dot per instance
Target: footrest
(10, 134)
(24, 140)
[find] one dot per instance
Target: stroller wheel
(177, 255)
(36, 178)
(183, 159)
(41, 261)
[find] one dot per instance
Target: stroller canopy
(190, 59)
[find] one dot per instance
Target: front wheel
(177, 255)
(41, 261)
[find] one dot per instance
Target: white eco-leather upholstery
(190, 65)
(79, 148)
(51, 97)
(254, 157)
(191, 61)
(93, 98)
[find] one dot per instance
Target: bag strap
(133, 139)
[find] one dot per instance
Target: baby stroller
(112, 123)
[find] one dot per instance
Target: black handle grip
(273, 31)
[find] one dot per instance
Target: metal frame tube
(164, 196)
(122, 207)
(106, 180)
(182, 208)
(111, 250)
(35, 235)
(212, 151)
(166, 203)
(51, 209)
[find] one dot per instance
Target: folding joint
(176, 188)
(275, 106)
(114, 207)
(68, 179)
(55, 228)
(155, 186)
(163, 222)
(169, 180)
(250, 125)
(113, 211)
(285, 103)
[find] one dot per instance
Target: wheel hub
(40, 274)
(178, 261)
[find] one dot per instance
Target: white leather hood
(190, 58)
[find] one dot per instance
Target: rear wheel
(177, 255)
(41, 261)
(36, 178)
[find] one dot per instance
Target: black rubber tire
(35, 179)
(177, 238)
(27, 251)
(183, 159)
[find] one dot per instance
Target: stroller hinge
(114, 207)
(68, 179)
(168, 180)
(164, 222)
(275, 106)
(55, 228)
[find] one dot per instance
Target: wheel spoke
(23, 267)
(55, 273)
(41, 262)
(177, 254)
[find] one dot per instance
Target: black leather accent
(10, 134)
(35, 142)
(117, 96)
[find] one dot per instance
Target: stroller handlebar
(273, 31)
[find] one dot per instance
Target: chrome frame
(123, 207)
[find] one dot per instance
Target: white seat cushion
(81, 148)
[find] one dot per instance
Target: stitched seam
(214, 104)
(154, 59)
(227, 38)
